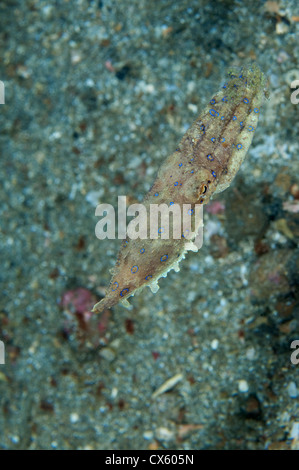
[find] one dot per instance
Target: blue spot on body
(115, 285)
(134, 269)
(124, 291)
(163, 258)
(213, 112)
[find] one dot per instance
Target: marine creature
(204, 163)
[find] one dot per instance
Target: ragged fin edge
(154, 286)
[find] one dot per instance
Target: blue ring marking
(239, 146)
(213, 139)
(251, 128)
(190, 211)
(142, 250)
(223, 139)
(116, 286)
(191, 159)
(124, 291)
(213, 112)
(241, 124)
(148, 277)
(210, 158)
(192, 171)
(156, 194)
(180, 164)
(176, 183)
(134, 269)
(160, 230)
(234, 118)
(222, 118)
(163, 258)
(213, 101)
(171, 203)
(256, 110)
(246, 100)
(225, 99)
(213, 173)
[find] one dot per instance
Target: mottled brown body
(205, 162)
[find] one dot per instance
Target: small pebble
(148, 435)
(107, 354)
(295, 431)
(250, 353)
(168, 385)
(292, 390)
(74, 418)
(164, 434)
(243, 386)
